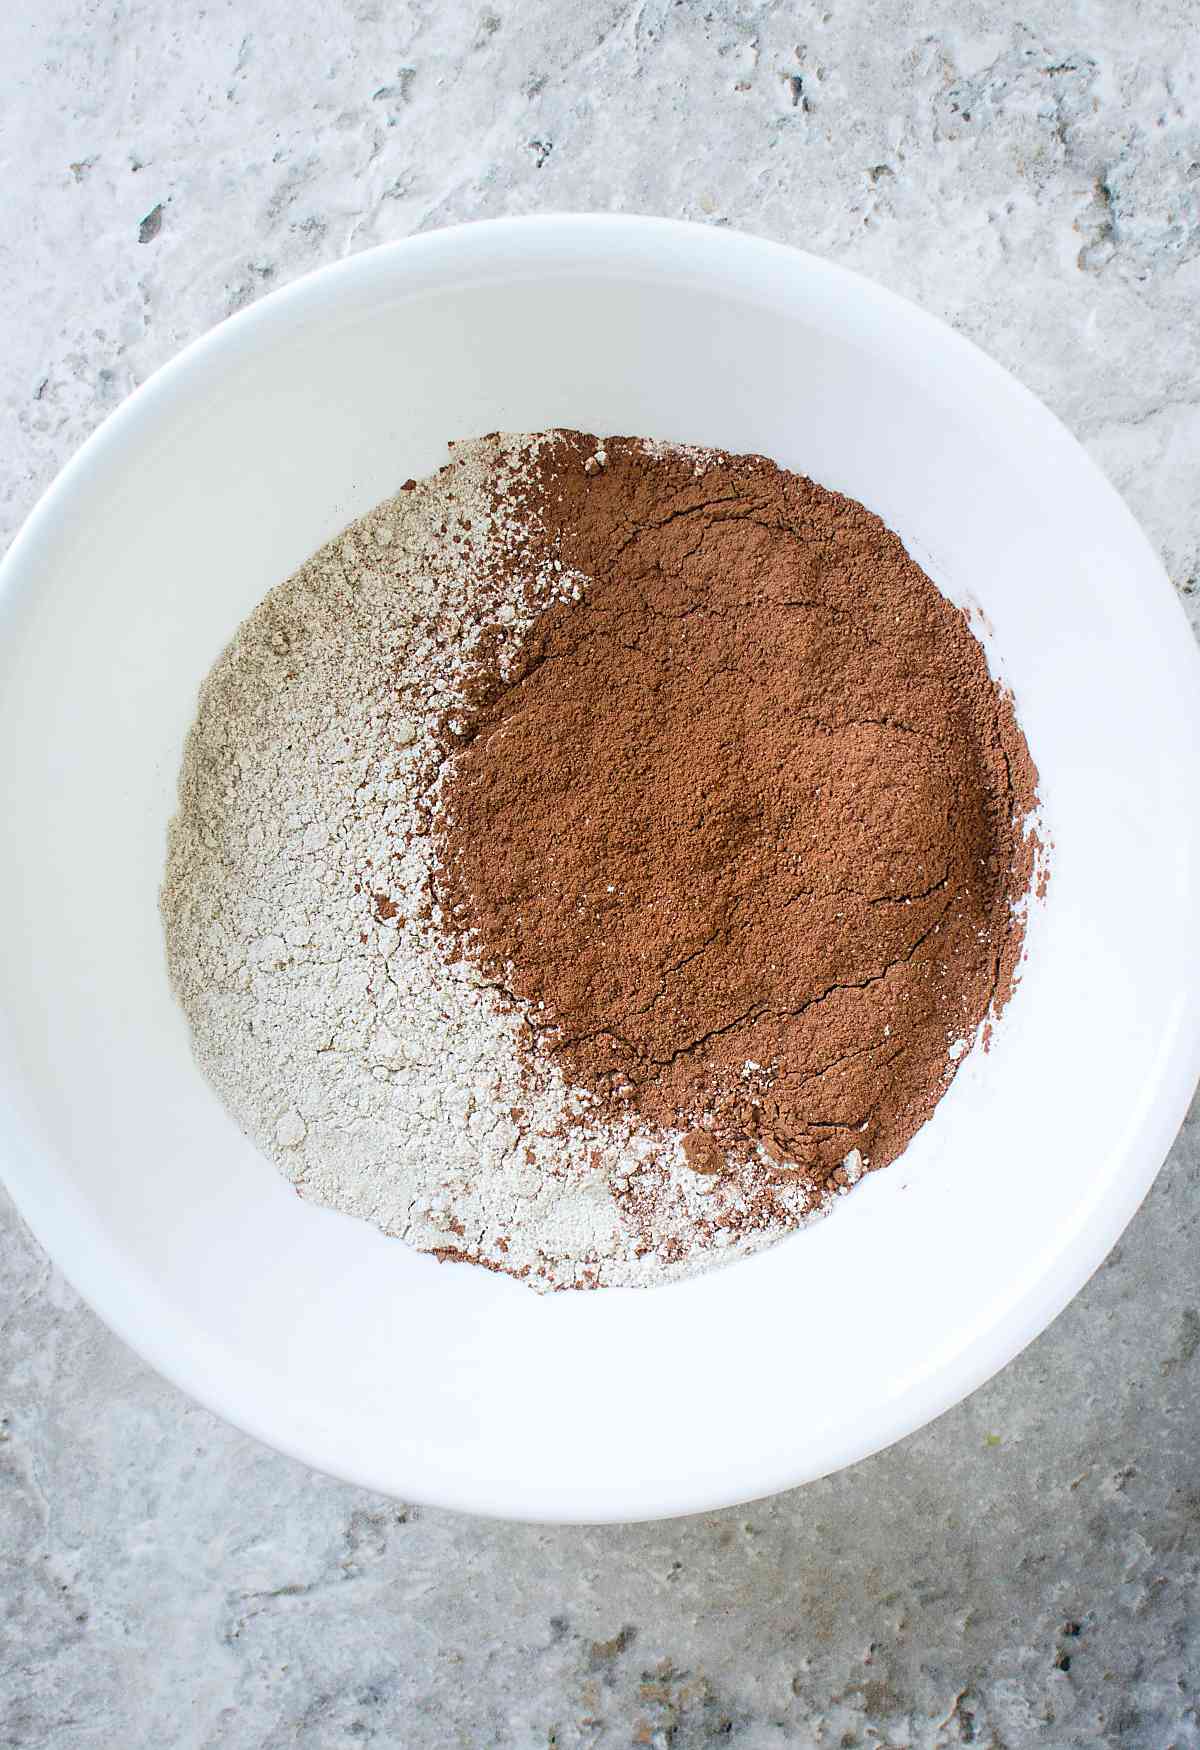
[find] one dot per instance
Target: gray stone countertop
(1025, 1571)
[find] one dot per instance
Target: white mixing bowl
(441, 1382)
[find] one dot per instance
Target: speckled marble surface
(1026, 1571)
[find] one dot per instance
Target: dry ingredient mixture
(596, 858)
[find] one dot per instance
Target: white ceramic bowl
(444, 1383)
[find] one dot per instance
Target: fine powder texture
(744, 833)
(595, 858)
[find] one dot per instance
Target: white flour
(378, 1075)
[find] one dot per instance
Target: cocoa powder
(740, 832)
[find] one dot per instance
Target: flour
(382, 1077)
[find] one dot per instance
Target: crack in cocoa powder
(871, 898)
(757, 1011)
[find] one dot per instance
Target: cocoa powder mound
(741, 830)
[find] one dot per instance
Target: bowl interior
(444, 1382)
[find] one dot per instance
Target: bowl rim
(492, 249)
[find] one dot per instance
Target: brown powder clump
(742, 831)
